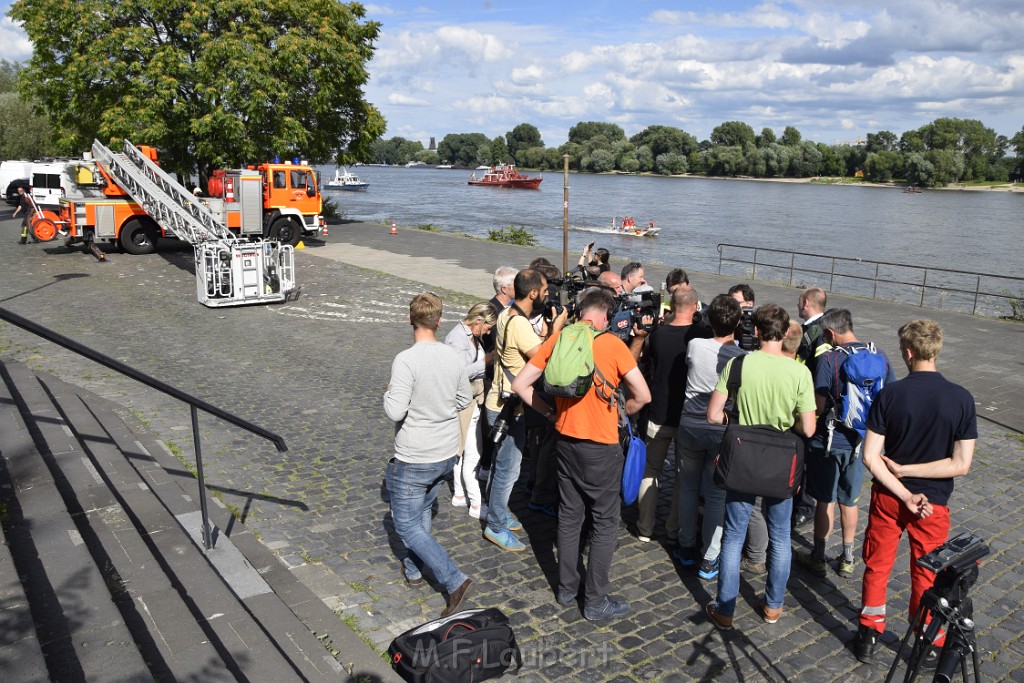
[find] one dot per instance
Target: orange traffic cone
(323, 231)
(394, 227)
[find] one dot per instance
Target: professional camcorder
(745, 336)
(642, 304)
(562, 293)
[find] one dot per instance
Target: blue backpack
(865, 369)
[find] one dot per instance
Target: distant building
(433, 145)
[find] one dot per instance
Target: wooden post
(565, 214)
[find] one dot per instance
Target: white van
(14, 170)
(49, 183)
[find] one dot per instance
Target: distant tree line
(948, 150)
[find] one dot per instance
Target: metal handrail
(875, 279)
(194, 403)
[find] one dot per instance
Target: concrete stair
(102, 572)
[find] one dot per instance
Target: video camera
(562, 293)
(641, 304)
(745, 336)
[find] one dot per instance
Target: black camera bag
(472, 645)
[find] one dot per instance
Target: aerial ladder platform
(230, 270)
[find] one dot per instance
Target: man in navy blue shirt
(927, 427)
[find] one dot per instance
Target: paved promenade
(314, 371)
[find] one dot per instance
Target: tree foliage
(587, 130)
(732, 133)
(24, 133)
(464, 149)
(665, 140)
(521, 138)
(209, 83)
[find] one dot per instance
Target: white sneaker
(459, 501)
(478, 511)
(643, 539)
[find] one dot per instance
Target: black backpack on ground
(472, 645)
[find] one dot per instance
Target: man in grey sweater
(428, 388)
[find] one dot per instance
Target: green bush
(513, 235)
(331, 209)
(428, 227)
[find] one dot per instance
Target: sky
(835, 70)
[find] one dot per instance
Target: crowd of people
(454, 401)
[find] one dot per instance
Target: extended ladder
(230, 271)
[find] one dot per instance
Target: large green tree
(521, 138)
(665, 140)
(732, 133)
(209, 83)
(584, 131)
(464, 149)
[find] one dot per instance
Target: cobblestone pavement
(314, 371)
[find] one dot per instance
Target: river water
(969, 231)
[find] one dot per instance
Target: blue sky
(834, 70)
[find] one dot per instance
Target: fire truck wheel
(285, 231)
(138, 238)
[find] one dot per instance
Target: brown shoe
(749, 567)
(456, 597)
(721, 622)
(770, 614)
(415, 581)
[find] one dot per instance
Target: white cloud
(406, 100)
(17, 47)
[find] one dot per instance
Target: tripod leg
(917, 622)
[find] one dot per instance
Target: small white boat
(628, 226)
(414, 164)
(444, 166)
(343, 180)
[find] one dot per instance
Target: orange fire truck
(277, 201)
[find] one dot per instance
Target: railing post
(719, 259)
(832, 275)
(753, 273)
(792, 260)
(207, 540)
(977, 288)
(924, 286)
(874, 283)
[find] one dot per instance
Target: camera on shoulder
(745, 337)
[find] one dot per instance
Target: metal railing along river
(976, 293)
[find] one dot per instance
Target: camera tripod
(944, 606)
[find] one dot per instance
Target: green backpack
(570, 369)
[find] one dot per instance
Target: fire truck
(242, 238)
(277, 201)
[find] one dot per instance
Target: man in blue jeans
(773, 388)
(428, 388)
(515, 342)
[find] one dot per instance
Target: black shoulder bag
(757, 460)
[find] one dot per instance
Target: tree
(24, 134)
(732, 133)
(767, 137)
(665, 140)
(599, 161)
(670, 163)
(210, 84)
(462, 149)
(644, 158)
(882, 141)
(1017, 142)
(499, 153)
(791, 137)
(521, 138)
(585, 130)
(395, 151)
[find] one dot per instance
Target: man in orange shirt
(590, 456)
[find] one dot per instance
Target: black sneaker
(930, 661)
(865, 643)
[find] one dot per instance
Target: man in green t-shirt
(773, 389)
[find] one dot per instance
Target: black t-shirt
(920, 417)
(667, 357)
